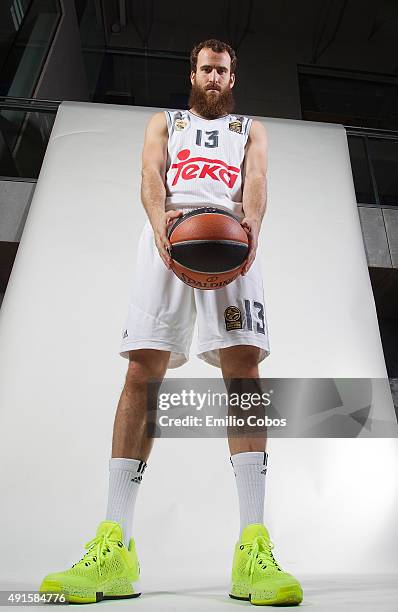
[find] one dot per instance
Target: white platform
(331, 593)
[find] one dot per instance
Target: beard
(211, 105)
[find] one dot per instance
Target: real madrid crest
(180, 124)
(235, 126)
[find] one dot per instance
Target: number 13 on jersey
(208, 139)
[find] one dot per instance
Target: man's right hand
(160, 227)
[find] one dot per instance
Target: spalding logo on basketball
(208, 248)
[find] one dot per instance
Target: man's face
(212, 83)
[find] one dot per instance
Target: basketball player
(158, 330)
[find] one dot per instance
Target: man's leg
(256, 575)
(131, 445)
(129, 431)
(242, 362)
(110, 568)
(248, 456)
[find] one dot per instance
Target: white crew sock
(250, 471)
(124, 479)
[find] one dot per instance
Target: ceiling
(321, 30)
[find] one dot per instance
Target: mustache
(213, 87)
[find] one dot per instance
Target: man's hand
(160, 227)
(252, 229)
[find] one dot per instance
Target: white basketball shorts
(163, 309)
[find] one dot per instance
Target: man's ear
(192, 77)
(232, 80)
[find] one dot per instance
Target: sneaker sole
(53, 587)
(285, 595)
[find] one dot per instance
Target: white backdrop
(331, 505)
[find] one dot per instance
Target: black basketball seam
(218, 241)
(207, 273)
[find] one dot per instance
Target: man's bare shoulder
(157, 123)
(258, 131)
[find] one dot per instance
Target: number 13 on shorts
(256, 325)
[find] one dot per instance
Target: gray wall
(15, 198)
(380, 236)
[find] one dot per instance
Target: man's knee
(237, 360)
(145, 364)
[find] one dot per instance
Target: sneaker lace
(260, 551)
(98, 549)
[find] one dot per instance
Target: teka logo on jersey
(190, 168)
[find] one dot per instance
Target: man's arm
(153, 190)
(254, 199)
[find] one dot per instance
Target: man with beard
(158, 330)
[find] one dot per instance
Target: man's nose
(213, 76)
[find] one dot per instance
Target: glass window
(144, 81)
(384, 158)
(351, 99)
(361, 170)
(23, 138)
(26, 51)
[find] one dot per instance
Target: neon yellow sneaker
(256, 576)
(107, 571)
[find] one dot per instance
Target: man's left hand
(252, 229)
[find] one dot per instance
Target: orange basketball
(208, 248)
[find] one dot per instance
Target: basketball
(208, 248)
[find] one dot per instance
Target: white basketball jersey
(205, 161)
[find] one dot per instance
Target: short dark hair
(218, 47)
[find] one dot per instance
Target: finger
(249, 263)
(246, 269)
(167, 253)
(253, 246)
(162, 241)
(170, 219)
(166, 260)
(173, 214)
(250, 251)
(163, 253)
(251, 240)
(167, 249)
